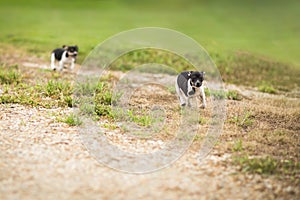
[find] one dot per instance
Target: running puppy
(189, 84)
(64, 55)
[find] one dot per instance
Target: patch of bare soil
(41, 158)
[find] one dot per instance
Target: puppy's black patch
(58, 53)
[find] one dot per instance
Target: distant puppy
(189, 84)
(64, 55)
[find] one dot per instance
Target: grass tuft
(72, 120)
(234, 95)
(266, 165)
(10, 75)
(267, 88)
(243, 120)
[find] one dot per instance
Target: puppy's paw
(203, 106)
(183, 105)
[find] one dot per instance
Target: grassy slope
(270, 28)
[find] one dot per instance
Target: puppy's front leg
(72, 63)
(61, 65)
(202, 94)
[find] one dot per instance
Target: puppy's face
(72, 50)
(197, 78)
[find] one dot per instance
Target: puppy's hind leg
(180, 95)
(53, 67)
(61, 65)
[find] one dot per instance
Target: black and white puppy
(189, 84)
(64, 55)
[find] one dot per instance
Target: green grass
(20, 89)
(140, 119)
(249, 69)
(10, 75)
(139, 57)
(37, 95)
(265, 87)
(72, 120)
(265, 165)
(222, 27)
(220, 94)
(233, 95)
(248, 47)
(238, 146)
(268, 165)
(244, 120)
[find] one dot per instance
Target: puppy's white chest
(197, 91)
(66, 59)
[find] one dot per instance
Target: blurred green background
(265, 28)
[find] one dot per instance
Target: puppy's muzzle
(74, 54)
(198, 84)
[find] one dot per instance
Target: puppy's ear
(76, 47)
(189, 74)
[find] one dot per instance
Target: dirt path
(44, 159)
(41, 159)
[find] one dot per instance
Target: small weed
(110, 126)
(198, 137)
(72, 120)
(267, 88)
(216, 94)
(143, 120)
(132, 116)
(57, 88)
(103, 100)
(88, 87)
(233, 95)
(87, 108)
(220, 94)
(172, 89)
(10, 75)
(103, 95)
(202, 120)
(266, 165)
(245, 120)
(238, 146)
(103, 110)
